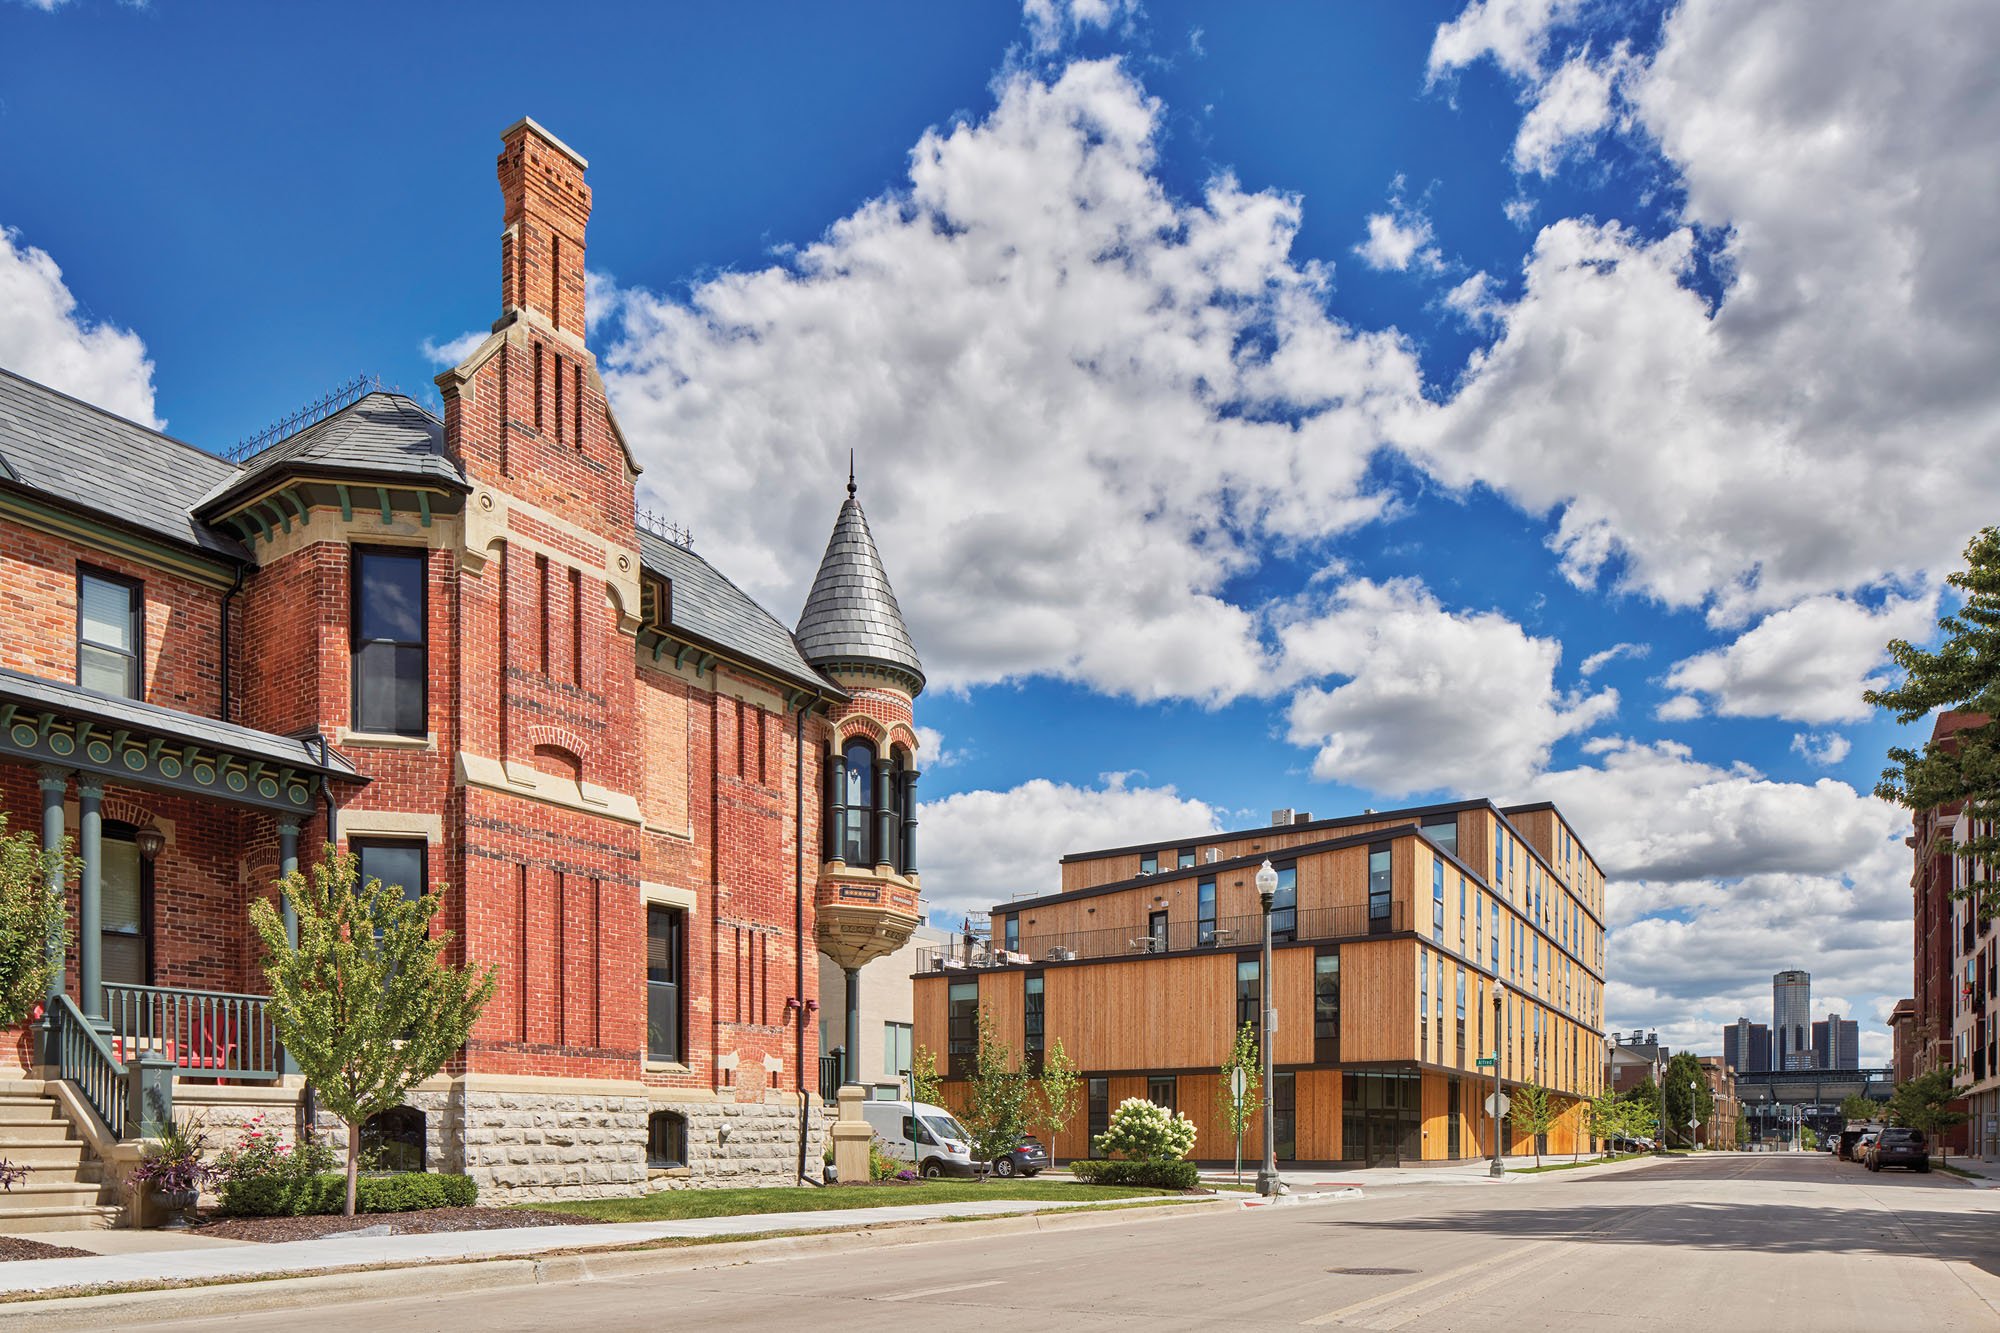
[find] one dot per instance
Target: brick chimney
(547, 208)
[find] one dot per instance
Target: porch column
(90, 920)
(54, 782)
(852, 1074)
(288, 864)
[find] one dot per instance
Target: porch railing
(205, 1034)
(829, 1077)
(84, 1057)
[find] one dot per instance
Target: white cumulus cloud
(46, 336)
(1807, 663)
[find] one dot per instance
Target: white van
(942, 1145)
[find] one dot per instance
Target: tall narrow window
(1031, 1021)
(1461, 914)
(1248, 995)
(897, 1050)
(1011, 932)
(962, 1028)
(666, 951)
(1461, 1015)
(387, 642)
(127, 897)
(1204, 908)
(1437, 900)
(1326, 1006)
(110, 632)
(1284, 1116)
(1378, 889)
(857, 844)
(1423, 1007)
(1097, 1097)
(1285, 903)
(1493, 933)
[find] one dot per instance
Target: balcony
(859, 915)
(1175, 937)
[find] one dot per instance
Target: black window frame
(119, 831)
(1326, 1005)
(1097, 1110)
(358, 554)
(1204, 907)
(1167, 1085)
(861, 845)
(362, 843)
(1034, 1020)
(1249, 1003)
(136, 621)
(1149, 863)
(1378, 920)
(398, 1139)
(1184, 859)
(1010, 933)
(672, 1049)
(1284, 1115)
(1285, 902)
(961, 1029)
(1444, 833)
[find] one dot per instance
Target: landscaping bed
(14, 1247)
(420, 1222)
(667, 1205)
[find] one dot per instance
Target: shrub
(304, 1196)
(881, 1166)
(1161, 1175)
(1146, 1132)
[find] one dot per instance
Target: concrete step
(45, 1194)
(22, 1087)
(39, 1132)
(14, 1117)
(59, 1217)
(60, 1156)
(28, 1108)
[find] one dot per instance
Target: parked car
(1845, 1142)
(932, 1137)
(1028, 1158)
(1900, 1147)
(1862, 1145)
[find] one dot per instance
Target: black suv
(1027, 1159)
(1900, 1147)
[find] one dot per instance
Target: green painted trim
(277, 511)
(263, 528)
(291, 493)
(346, 503)
(218, 572)
(680, 658)
(382, 494)
(48, 721)
(153, 749)
(424, 507)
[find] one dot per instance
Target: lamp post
(1694, 1096)
(1498, 1169)
(1268, 1183)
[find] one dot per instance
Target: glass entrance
(1379, 1122)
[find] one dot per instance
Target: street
(1764, 1243)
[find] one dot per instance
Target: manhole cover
(1372, 1272)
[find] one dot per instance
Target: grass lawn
(1572, 1166)
(668, 1205)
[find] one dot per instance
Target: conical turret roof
(851, 617)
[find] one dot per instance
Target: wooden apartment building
(1394, 933)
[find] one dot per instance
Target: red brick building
(449, 646)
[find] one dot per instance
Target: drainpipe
(227, 596)
(799, 921)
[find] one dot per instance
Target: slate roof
(705, 605)
(153, 720)
(380, 435)
(851, 613)
(64, 449)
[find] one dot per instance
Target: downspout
(228, 595)
(799, 921)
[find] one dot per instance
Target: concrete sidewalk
(217, 1260)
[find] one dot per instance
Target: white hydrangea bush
(1141, 1131)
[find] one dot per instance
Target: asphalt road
(1764, 1244)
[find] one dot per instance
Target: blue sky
(1258, 405)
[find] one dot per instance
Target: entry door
(1156, 927)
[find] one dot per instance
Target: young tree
(1742, 1132)
(1609, 1118)
(1058, 1090)
(1532, 1112)
(997, 1107)
(31, 919)
(1962, 673)
(1924, 1103)
(925, 1085)
(1689, 1097)
(1856, 1107)
(1642, 1109)
(1239, 1116)
(365, 1003)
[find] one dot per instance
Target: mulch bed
(14, 1247)
(423, 1221)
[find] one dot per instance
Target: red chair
(214, 1045)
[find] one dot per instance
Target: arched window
(395, 1137)
(899, 761)
(666, 1140)
(857, 802)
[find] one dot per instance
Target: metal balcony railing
(1169, 937)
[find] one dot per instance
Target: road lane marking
(940, 1291)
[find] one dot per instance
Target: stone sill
(386, 740)
(669, 1173)
(667, 1067)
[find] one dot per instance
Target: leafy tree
(365, 1002)
(1642, 1106)
(997, 1105)
(1236, 1116)
(1607, 1117)
(31, 918)
(1058, 1090)
(1145, 1132)
(1962, 673)
(1856, 1107)
(1924, 1103)
(1532, 1111)
(1688, 1096)
(925, 1085)
(1742, 1132)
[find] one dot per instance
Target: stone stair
(63, 1184)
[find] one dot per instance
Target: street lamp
(1694, 1098)
(1497, 1170)
(1268, 1183)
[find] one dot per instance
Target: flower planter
(171, 1208)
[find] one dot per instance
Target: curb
(1314, 1196)
(431, 1277)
